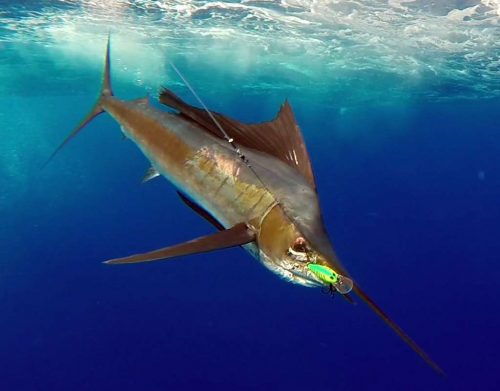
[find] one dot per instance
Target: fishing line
(324, 273)
(230, 140)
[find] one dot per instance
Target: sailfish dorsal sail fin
(280, 137)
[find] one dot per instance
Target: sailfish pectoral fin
(398, 330)
(235, 236)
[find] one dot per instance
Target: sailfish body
(253, 182)
(207, 171)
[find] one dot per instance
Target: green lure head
(324, 273)
(328, 276)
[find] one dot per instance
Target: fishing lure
(330, 277)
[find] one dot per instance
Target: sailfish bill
(260, 193)
(398, 330)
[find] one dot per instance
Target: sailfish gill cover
(398, 102)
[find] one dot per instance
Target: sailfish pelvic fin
(235, 236)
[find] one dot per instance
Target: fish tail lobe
(106, 92)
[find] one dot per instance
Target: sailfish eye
(299, 250)
(300, 244)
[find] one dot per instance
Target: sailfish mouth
(308, 272)
(316, 275)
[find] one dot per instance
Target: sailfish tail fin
(398, 330)
(106, 91)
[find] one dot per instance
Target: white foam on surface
(405, 47)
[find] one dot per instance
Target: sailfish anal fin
(235, 236)
(151, 173)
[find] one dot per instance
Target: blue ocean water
(398, 102)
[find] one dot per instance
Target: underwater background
(399, 103)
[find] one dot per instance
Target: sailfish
(253, 182)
